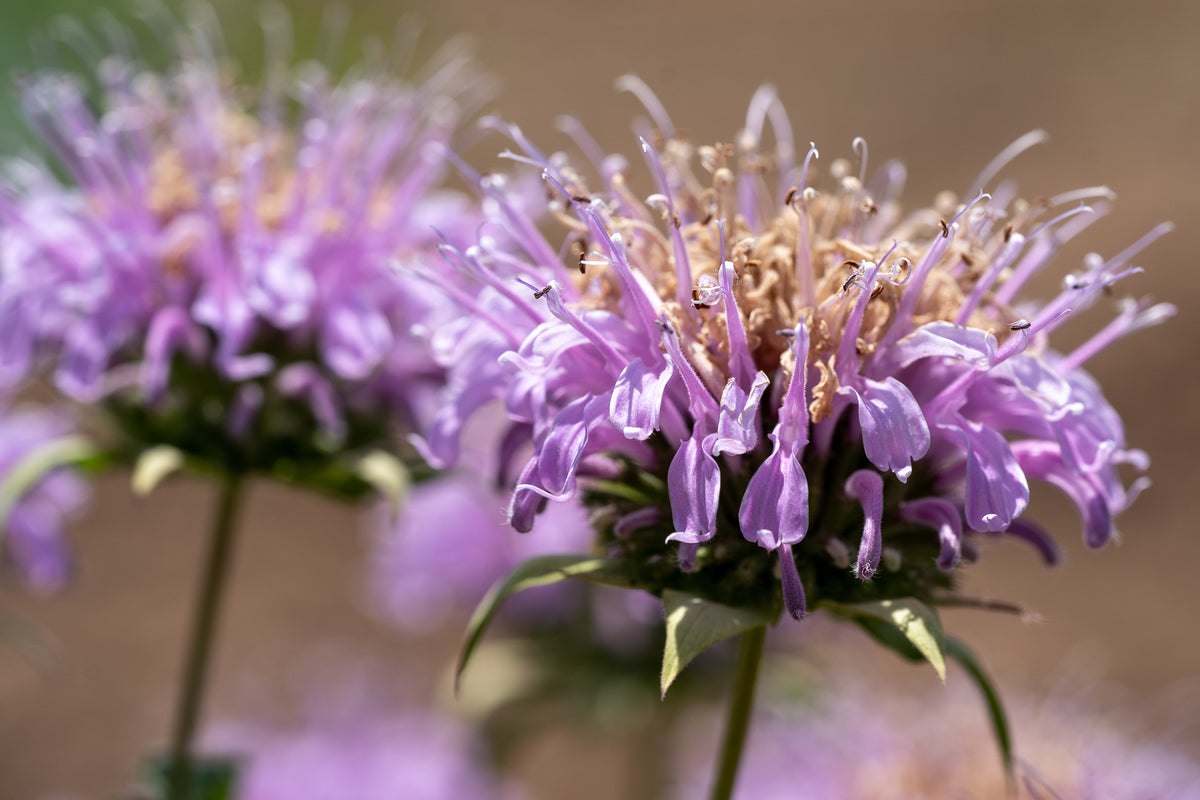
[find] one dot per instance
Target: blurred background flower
(357, 746)
(844, 738)
(217, 272)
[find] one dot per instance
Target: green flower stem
(741, 703)
(216, 570)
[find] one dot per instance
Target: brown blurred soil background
(943, 86)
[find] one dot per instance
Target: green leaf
(961, 653)
(26, 473)
(695, 624)
(153, 466)
(211, 778)
(905, 625)
(541, 571)
(386, 473)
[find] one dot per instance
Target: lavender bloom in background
(753, 349)
(32, 522)
(450, 543)
(932, 747)
(414, 755)
(218, 272)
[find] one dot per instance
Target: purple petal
(355, 340)
(525, 504)
(737, 426)
(1034, 535)
(694, 486)
(866, 486)
(1044, 461)
(80, 373)
(282, 287)
(244, 410)
(774, 508)
(793, 589)
(171, 329)
(945, 518)
(305, 380)
(637, 398)
(563, 446)
(893, 428)
(945, 340)
(997, 490)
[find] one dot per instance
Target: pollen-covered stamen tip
(538, 291)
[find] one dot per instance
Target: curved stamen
(798, 200)
(578, 134)
(1002, 160)
(683, 269)
(860, 142)
(654, 107)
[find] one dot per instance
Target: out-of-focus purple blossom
(219, 268)
(32, 530)
(857, 743)
(450, 543)
(413, 755)
(756, 348)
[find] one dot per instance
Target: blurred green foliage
(32, 37)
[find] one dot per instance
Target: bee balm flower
(218, 271)
(753, 351)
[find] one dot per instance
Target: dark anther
(786, 333)
(846, 285)
(581, 198)
(1008, 232)
(540, 293)
(945, 228)
(876, 291)
(1020, 325)
(675, 219)
(791, 195)
(707, 219)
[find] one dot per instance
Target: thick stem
(741, 703)
(187, 711)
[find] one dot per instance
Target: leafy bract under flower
(218, 271)
(753, 348)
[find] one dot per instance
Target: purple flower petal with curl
(737, 426)
(893, 428)
(866, 486)
(945, 518)
(637, 398)
(694, 486)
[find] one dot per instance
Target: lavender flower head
(753, 349)
(34, 509)
(218, 271)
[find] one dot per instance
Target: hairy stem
(741, 703)
(187, 711)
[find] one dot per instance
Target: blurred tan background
(943, 86)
